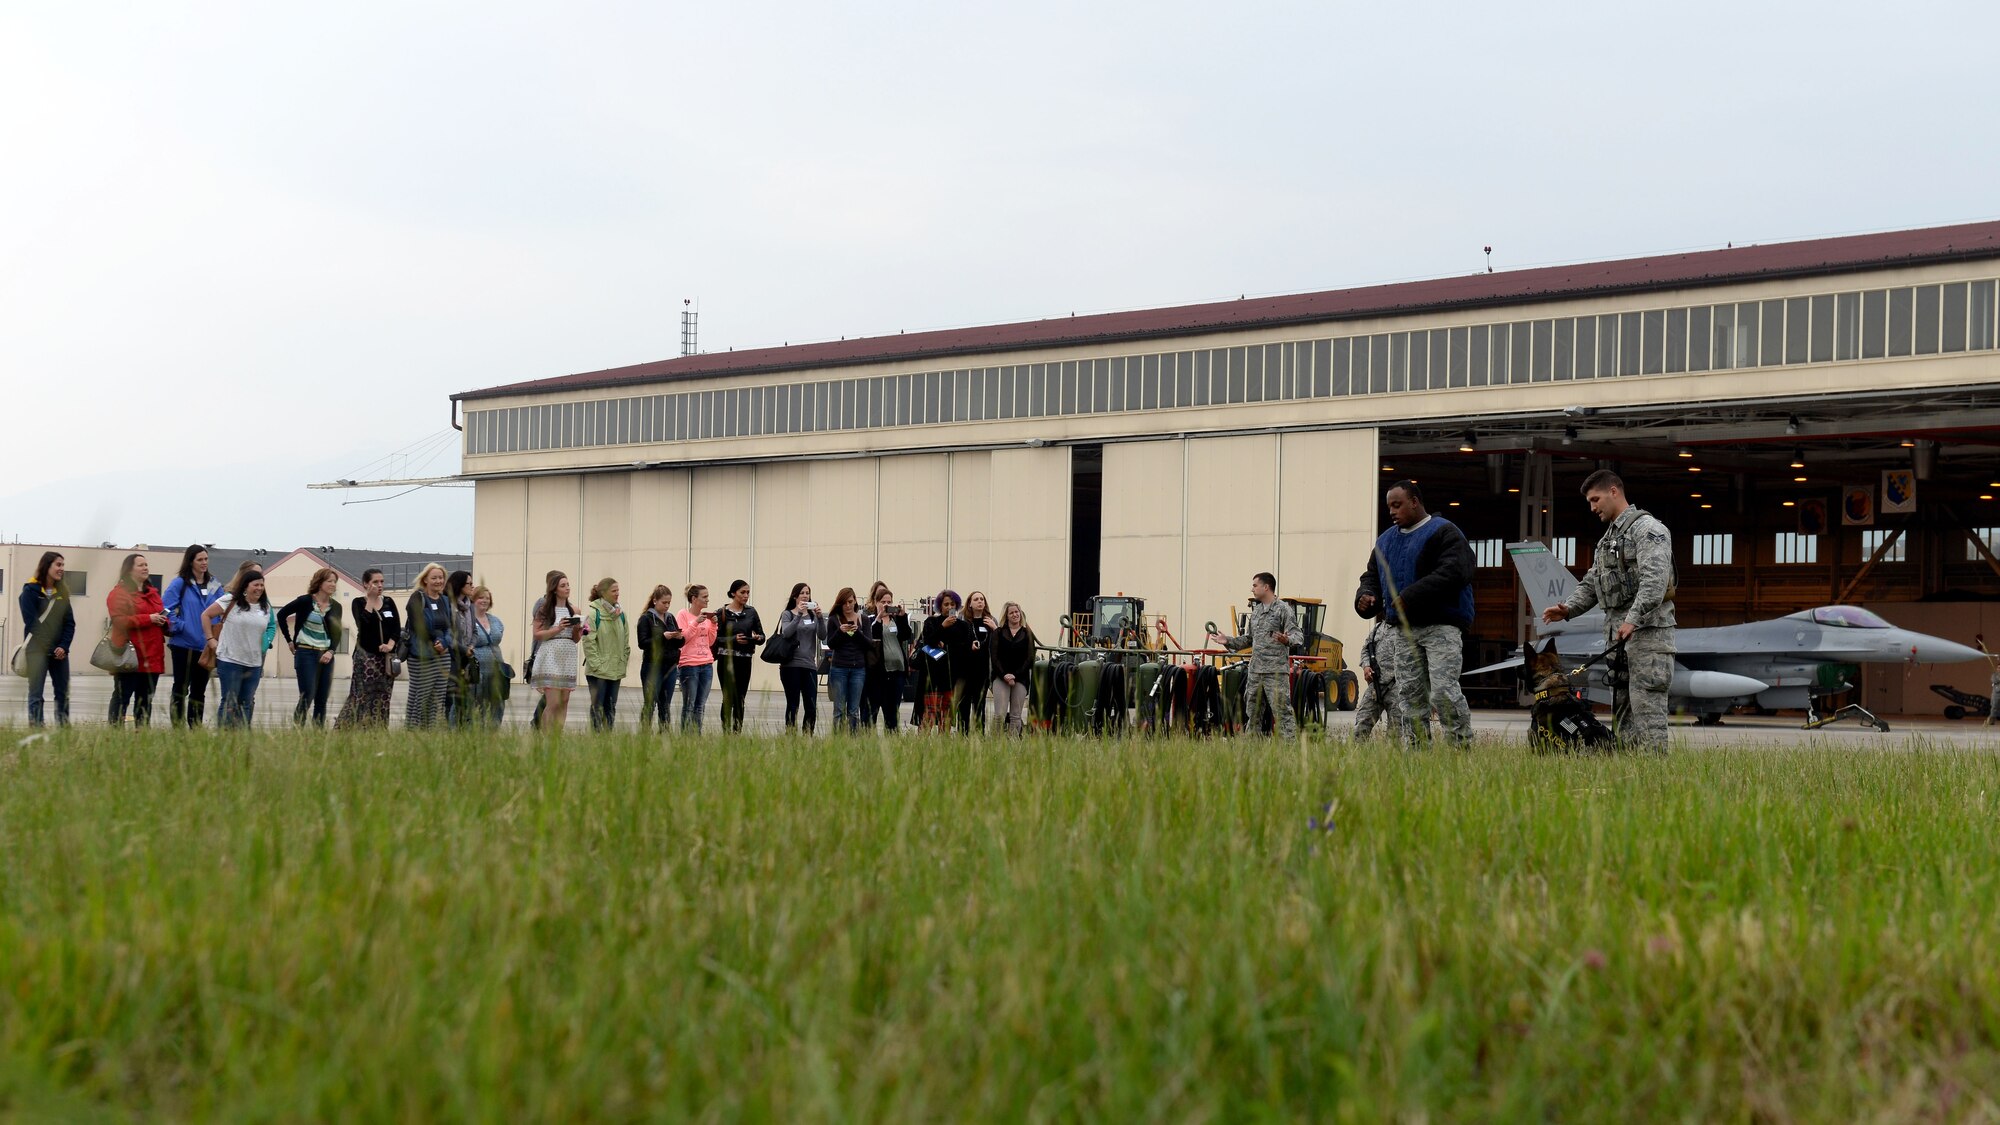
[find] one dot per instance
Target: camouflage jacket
(1631, 575)
(1266, 621)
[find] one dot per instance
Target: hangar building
(1173, 452)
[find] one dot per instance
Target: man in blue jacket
(1421, 577)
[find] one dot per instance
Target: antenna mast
(690, 318)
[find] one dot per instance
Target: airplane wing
(1547, 582)
(1514, 662)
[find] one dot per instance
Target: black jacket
(659, 640)
(1013, 655)
(956, 641)
(373, 630)
(1444, 570)
(728, 623)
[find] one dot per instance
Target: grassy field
(385, 927)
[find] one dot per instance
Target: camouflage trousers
(1431, 658)
(1639, 704)
(1275, 689)
(1378, 699)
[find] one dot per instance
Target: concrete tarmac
(90, 698)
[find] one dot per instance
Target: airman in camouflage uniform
(1632, 577)
(1380, 654)
(1269, 633)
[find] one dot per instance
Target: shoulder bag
(19, 661)
(780, 649)
(113, 660)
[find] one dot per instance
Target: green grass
(385, 927)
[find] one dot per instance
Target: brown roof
(1631, 275)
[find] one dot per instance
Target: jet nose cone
(1936, 650)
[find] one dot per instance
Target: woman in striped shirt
(311, 625)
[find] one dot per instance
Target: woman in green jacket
(607, 649)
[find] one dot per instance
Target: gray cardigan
(809, 631)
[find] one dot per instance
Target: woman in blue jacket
(50, 626)
(188, 593)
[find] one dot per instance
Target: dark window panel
(1440, 358)
(1378, 364)
(1042, 396)
(1343, 354)
(1954, 317)
(1420, 360)
(1541, 361)
(877, 389)
(1135, 380)
(906, 392)
(1115, 386)
(1565, 348)
(1521, 362)
(1100, 386)
(1204, 374)
(1771, 352)
(961, 395)
(1847, 326)
(1456, 350)
(1798, 329)
(1902, 315)
(1322, 368)
(1608, 349)
(1677, 334)
(1701, 336)
(1183, 379)
(1927, 319)
(1246, 375)
(1399, 361)
(1822, 329)
(1476, 353)
(1500, 348)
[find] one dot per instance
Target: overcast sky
(248, 246)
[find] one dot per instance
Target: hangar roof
(1819, 256)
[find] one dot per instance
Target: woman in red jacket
(137, 618)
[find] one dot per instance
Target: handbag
(781, 648)
(113, 660)
(19, 661)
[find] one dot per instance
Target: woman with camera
(800, 626)
(558, 629)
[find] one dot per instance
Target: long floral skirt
(367, 693)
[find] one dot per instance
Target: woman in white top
(236, 625)
(557, 629)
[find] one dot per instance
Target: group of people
(963, 657)
(870, 653)
(203, 629)
(1418, 590)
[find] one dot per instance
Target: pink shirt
(698, 638)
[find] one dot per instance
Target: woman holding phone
(801, 623)
(741, 631)
(848, 644)
(698, 627)
(558, 629)
(378, 629)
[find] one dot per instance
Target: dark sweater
(729, 622)
(848, 651)
(659, 640)
(373, 630)
(955, 638)
(60, 630)
(1443, 572)
(1013, 655)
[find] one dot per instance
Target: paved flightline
(90, 697)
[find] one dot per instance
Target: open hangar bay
(1171, 453)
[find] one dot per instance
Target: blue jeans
(43, 667)
(845, 684)
(239, 691)
(695, 679)
(315, 684)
